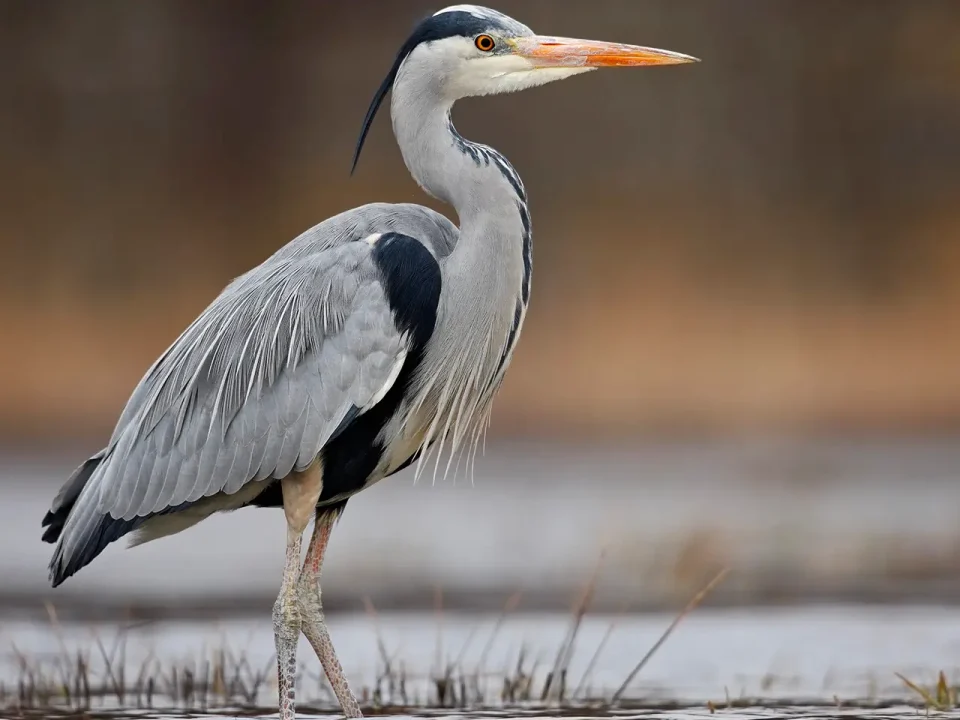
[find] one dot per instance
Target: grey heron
(368, 342)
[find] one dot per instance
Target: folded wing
(280, 362)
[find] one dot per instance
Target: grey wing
(435, 231)
(258, 385)
(253, 389)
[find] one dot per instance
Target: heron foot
(314, 628)
(286, 632)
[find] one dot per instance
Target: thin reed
(100, 677)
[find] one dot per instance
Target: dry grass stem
(690, 607)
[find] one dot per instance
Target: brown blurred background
(764, 244)
(768, 240)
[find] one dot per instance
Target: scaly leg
(311, 613)
(301, 490)
(286, 627)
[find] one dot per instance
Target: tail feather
(104, 531)
(80, 531)
(74, 524)
(63, 503)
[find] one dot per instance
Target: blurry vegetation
(769, 238)
(942, 696)
(96, 677)
(101, 679)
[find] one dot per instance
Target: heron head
(473, 50)
(469, 50)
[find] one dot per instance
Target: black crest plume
(435, 27)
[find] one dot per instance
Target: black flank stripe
(411, 279)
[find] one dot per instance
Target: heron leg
(286, 628)
(311, 612)
(300, 494)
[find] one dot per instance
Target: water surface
(811, 655)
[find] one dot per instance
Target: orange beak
(549, 52)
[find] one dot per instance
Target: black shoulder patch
(435, 27)
(411, 278)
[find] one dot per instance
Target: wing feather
(281, 360)
(253, 377)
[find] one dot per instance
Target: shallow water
(811, 655)
(895, 712)
(796, 521)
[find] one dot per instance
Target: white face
(467, 70)
(487, 52)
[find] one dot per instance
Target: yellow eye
(484, 43)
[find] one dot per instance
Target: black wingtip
(56, 574)
(91, 543)
(56, 517)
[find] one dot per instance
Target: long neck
(488, 195)
(486, 279)
(476, 180)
